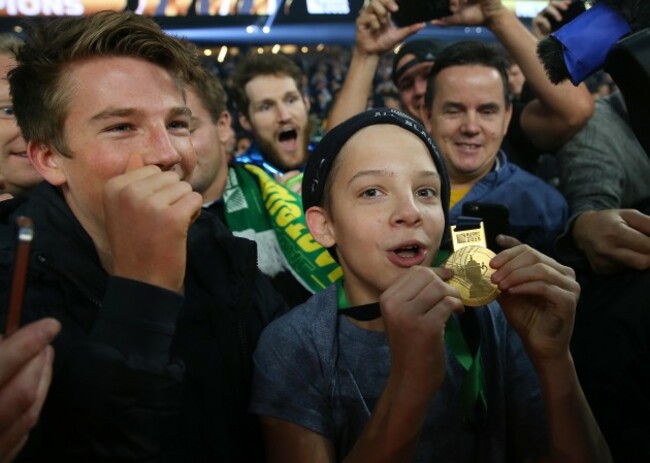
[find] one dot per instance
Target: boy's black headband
(322, 158)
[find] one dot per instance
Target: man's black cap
(424, 50)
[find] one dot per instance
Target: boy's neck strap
(362, 313)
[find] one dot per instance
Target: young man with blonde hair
(160, 305)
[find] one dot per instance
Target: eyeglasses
(7, 112)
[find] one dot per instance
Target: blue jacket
(538, 211)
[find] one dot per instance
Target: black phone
(575, 8)
(496, 220)
(417, 11)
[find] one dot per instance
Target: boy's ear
(245, 123)
(307, 101)
(47, 162)
(319, 225)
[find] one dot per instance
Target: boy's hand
(415, 310)
(375, 33)
(539, 298)
(148, 214)
(507, 241)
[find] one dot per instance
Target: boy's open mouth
(407, 252)
(408, 255)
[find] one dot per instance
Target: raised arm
(603, 174)
(539, 298)
(375, 35)
(558, 111)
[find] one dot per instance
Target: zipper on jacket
(85, 293)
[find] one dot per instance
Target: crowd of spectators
(324, 69)
(585, 183)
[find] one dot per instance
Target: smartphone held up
(416, 11)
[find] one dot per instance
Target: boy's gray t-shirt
(316, 369)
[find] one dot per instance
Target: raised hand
(539, 298)
(613, 239)
(375, 33)
(415, 310)
(148, 214)
(472, 12)
(541, 24)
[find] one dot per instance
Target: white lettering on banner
(41, 8)
(328, 6)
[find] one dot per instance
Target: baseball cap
(424, 50)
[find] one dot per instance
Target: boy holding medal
(384, 378)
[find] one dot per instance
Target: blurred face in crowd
(15, 167)
(278, 119)
(468, 120)
(516, 79)
(124, 113)
(242, 145)
(412, 85)
(211, 171)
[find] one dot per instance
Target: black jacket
(141, 373)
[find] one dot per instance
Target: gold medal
(470, 262)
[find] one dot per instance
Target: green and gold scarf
(258, 207)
